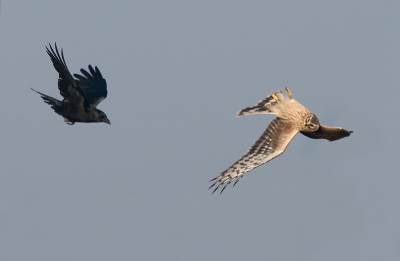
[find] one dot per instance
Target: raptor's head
(311, 123)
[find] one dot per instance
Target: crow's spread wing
(93, 85)
(72, 94)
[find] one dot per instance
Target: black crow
(81, 95)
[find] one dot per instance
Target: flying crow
(81, 95)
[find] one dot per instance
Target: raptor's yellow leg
(288, 92)
(276, 98)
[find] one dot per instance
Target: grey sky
(177, 73)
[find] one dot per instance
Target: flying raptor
(81, 95)
(292, 117)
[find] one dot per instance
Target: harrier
(292, 117)
(81, 95)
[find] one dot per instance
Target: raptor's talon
(276, 98)
(288, 92)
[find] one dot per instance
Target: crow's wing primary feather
(72, 94)
(271, 144)
(93, 85)
(329, 133)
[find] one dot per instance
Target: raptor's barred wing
(66, 84)
(271, 144)
(329, 133)
(93, 85)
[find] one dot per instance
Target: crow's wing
(329, 133)
(93, 85)
(72, 94)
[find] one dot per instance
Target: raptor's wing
(271, 144)
(329, 133)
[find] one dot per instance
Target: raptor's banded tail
(265, 106)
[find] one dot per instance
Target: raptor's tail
(54, 103)
(265, 106)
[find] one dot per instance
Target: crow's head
(102, 117)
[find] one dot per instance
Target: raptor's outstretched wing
(271, 144)
(93, 85)
(72, 94)
(329, 133)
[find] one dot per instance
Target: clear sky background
(177, 73)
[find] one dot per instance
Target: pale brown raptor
(292, 117)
